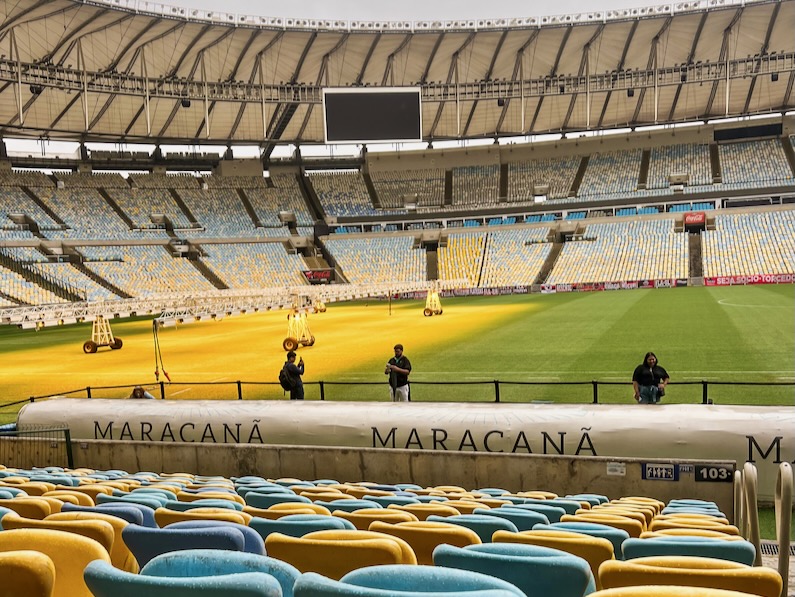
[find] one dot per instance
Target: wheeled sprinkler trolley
(101, 335)
(319, 306)
(433, 306)
(298, 332)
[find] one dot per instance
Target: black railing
(435, 391)
(31, 447)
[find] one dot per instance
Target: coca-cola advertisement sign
(318, 276)
(695, 218)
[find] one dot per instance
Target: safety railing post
(704, 392)
(595, 385)
(162, 390)
(496, 391)
(322, 391)
(239, 390)
(88, 391)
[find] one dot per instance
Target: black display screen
(365, 116)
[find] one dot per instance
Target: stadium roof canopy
(128, 70)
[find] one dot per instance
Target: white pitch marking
(727, 304)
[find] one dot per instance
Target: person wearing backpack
(290, 377)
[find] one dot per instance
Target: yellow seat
(27, 573)
(422, 510)
(165, 517)
(666, 591)
(689, 516)
(36, 487)
(424, 536)
(465, 507)
(276, 514)
(691, 571)
(630, 525)
(687, 532)
(28, 507)
(690, 523)
(70, 553)
(594, 550)
(335, 553)
(358, 492)
(184, 496)
(92, 490)
(74, 497)
(362, 518)
(98, 530)
(644, 518)
(120, 555)
(487, 502)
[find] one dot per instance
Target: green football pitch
(718, 334)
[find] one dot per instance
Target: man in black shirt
(398, 369)
(649, 380)
(295, 372)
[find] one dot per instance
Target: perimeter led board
(390, 114)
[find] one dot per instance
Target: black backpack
(285, 380)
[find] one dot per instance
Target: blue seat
(298, 525)
(242, 491)
(159, 491)
(537, 571)
(253, 541)
(553, 513)
(492, 491)
(570, 506)
(385, 500)
(106, 581)
(266, 500)
(612, 534)
(206, 503)
(484, 526)
(742, 552)
(131, 515)
(592, 498)
(348, 505)
(524, 520)
(147, 512)
(149, 500)
(405, 581)
(213, 562)
(145, 543)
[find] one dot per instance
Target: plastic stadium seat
(629, 525)
(538, 571)
(298, 525)
(593, 550)
(484, 526)
(691, 523)
(335, 553)
(98, 530)
(553, 513)
(119, 508)
(612, 534)
(424, 536)
(348, 505)
(69, 553)
(524, 520)
(361, 519)
(400, 581)
(211, 562)
(28, 573)
(742, 552)
(106, 581)
(146, 543)
(666, 591)
(82, 498)
(120, 556)
(28, 507)
(691, 572)
(254, 542)
(166, 517)
(422, 510)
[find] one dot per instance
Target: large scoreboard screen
(365, 115)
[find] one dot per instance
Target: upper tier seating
(476, 185)
(683, 158)
(86, 213)
(557, 173)
(139, 204)
(220, 211)
(342, 194)
(395, 187)
(255, 265)
(754, 164)
(284, 195)
(611, 173)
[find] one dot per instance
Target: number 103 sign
(720, 473)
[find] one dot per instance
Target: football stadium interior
(224, 164)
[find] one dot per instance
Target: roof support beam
(762, 52)
(724, 57)
(690, 55)
(389, 72)
(651, 63)
(584, 69)
(451, 72)
(19, 19)
(552, 72)
(518, 74)
(619, 67)
(366, 61)
(322, 74)
(486, 77)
